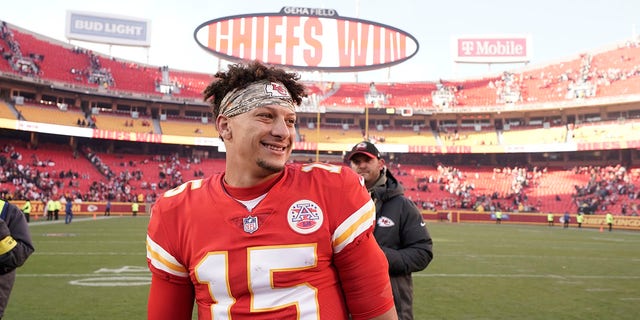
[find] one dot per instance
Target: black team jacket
(402, 234)
(15, 248)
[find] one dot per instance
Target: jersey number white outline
(263, 263)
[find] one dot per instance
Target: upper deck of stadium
(612, 72)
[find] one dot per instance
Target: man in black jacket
(400, 229)
(15, 248)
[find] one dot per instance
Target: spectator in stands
(15, 248)
(295, 230)
(400, 230)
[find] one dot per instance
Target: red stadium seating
(615, 72)
(57, 61)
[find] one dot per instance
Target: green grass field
(96, 269)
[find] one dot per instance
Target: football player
(266, 239)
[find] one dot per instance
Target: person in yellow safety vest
(550, 219)
(580, 219)
(499, 216)
(51, 206)
(57, 208)
(609, 219)
(26, 209)
(134, 208)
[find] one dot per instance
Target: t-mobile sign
(492, 49)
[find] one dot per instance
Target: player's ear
(223, 127)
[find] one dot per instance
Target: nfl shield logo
(250, 224)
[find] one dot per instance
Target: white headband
(255, 95)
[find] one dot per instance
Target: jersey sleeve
(171, 295)
(365, 280)
(169, 300)
(361, 264)
(162, 252)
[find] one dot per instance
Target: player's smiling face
(264, 136)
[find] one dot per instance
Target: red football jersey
(306, 251)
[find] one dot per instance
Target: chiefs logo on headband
(276, 90)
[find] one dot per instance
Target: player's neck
(247, 178)
(251, 191)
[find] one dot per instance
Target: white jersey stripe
(162, 260)
(359, 222)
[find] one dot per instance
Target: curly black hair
(241, 75)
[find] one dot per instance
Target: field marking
(511, 256)
(570, 282)
(599, 289)
(120, 281)
(67, 275)
(613, 239)
(136, 276)
(543, 276)
(58, 234)
(421, 275)
(89, 253)
(40, 222)
(123, 269)
(83, 241)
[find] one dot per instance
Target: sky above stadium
(559, 29)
